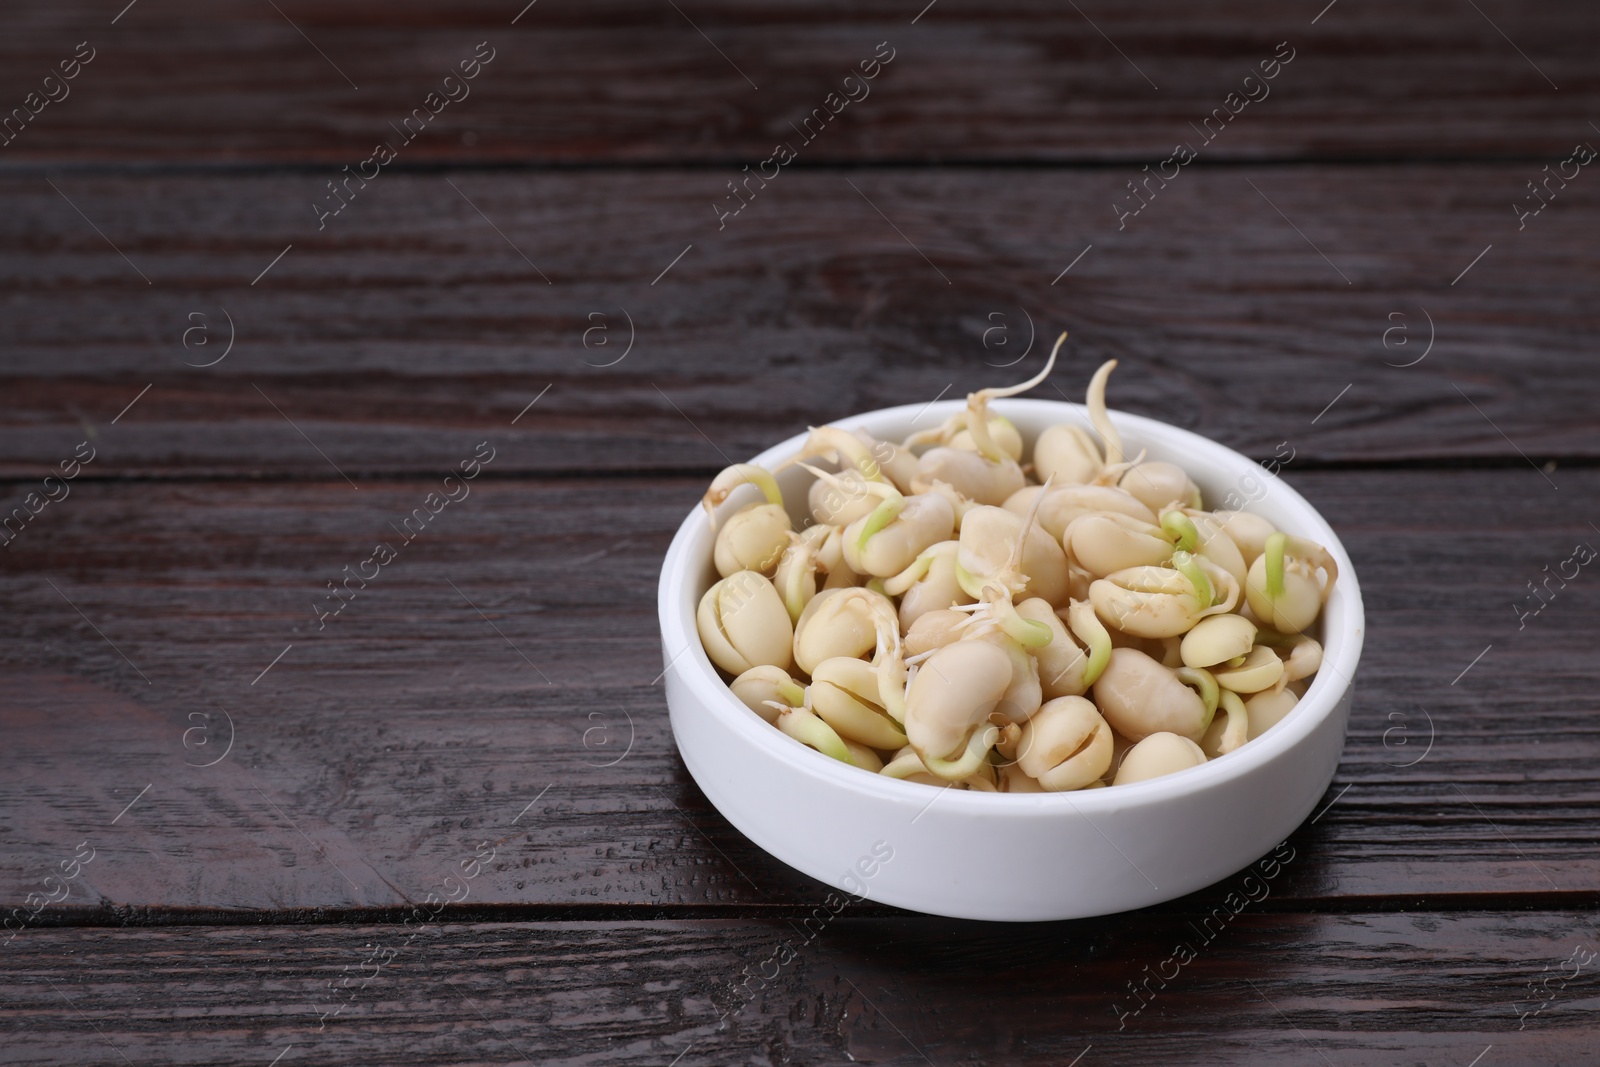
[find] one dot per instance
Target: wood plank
(374, 755)
(636, 81)
(411, 325)
(1260, 989)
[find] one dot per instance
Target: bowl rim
(1341, 652)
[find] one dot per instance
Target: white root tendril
(1097, 413)
(838, 446)
(975, 420)
(978, 405)
(1112, 473)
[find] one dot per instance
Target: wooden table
(224, 802)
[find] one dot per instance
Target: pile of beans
(959, 613)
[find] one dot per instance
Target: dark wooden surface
(1269, 989)
(497, 684)
(634, 81)
(415, 327)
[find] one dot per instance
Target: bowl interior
(1217, 470)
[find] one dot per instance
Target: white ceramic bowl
(1012, 856)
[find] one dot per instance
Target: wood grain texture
(639, 82)
(509, 654)
(1262, 989)
(410, 323)
(216, 811)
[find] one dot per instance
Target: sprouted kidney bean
(953, 611)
